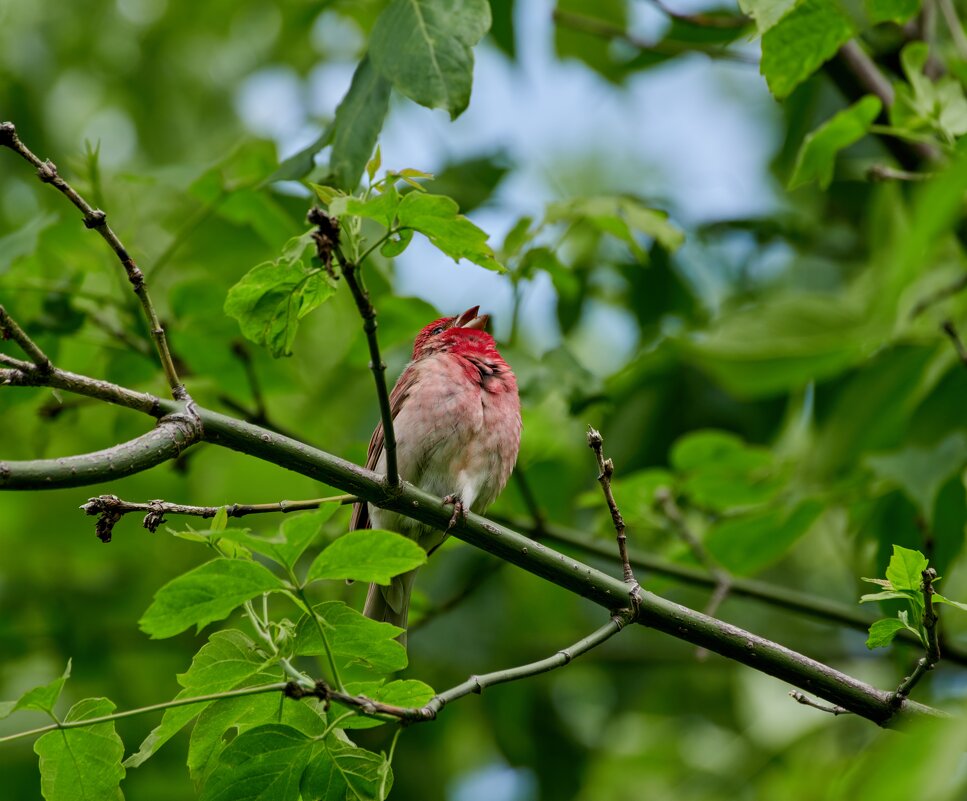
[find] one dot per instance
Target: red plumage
(456, 416)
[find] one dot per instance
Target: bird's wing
(404, 385)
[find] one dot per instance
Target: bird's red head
(450, 333)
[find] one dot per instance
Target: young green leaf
(937, 598)
(817, 155)
(372, 166)
(355, 639)
(882, 632)
(905, 571)
(82, 764)
(801, 42)
(272, 297)
(264, 763)
(358, 121)
(380, 206)
(374, 556)
(397, 244)
(42, 698)
(437, 217)
(340, 770)
(228, 660)
(888, 595)
(288, 544)
(209, 592)
(425, 48)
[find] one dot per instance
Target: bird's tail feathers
(391, 604)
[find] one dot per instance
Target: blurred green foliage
(807, 418)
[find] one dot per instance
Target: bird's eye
(438, 330)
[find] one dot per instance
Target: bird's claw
(459, 512)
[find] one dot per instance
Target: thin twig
(805, 700)
(950, 330)
(327, 246)
(276, 687)
(931, 646)
(156, 510)
(97, 220)
(606, 471)
(606, 30)
(10, 330)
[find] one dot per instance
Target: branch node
(8, 134)
(95, 218)
(47, 172)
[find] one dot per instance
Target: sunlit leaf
(373, 555)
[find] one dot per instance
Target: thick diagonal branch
(97, 220)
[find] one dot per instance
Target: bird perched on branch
(456, 417)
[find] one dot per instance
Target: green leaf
(766, 13)
(373, 165)
(921, 472)
(818, 152)
(42, 698)
(887, 595)
(380, 207)
(355, 639)
(939, 106)
(748, 543)
(340, 770)
(374, 556)
(23, 241)
(272, 297)
(897, 11)
(722, 472)
(425, 48)
(882, 632)
(397, 244)
(231, 716)
(82, 764)
(438, 219)
(209, 592)
(905, 571)
(801, 42)
(619, 216)
(355, 129)
(265, 763)
(937, 598)
(407, 693)
(228, 660)
(300, 164)
(290, 542)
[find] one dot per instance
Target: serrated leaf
(264, 764)
(353, 638)
(766, 13)
(882, 632)
(236, 715)
(341, 770)
(905, 571)
(424, 47)
(921, 472)
(817, 156)
(801, 42)
(82, 764)
(937, 598)
(290, 541)
(272, 297)
(437, 217)
(374, 556)
(380, 206)
(42, 698)
(228, 660)
(208, 593)
(358, 121)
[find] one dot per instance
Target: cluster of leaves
(904, 581)
(260, 744)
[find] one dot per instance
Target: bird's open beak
(470, 319)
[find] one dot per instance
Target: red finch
(456, 415)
